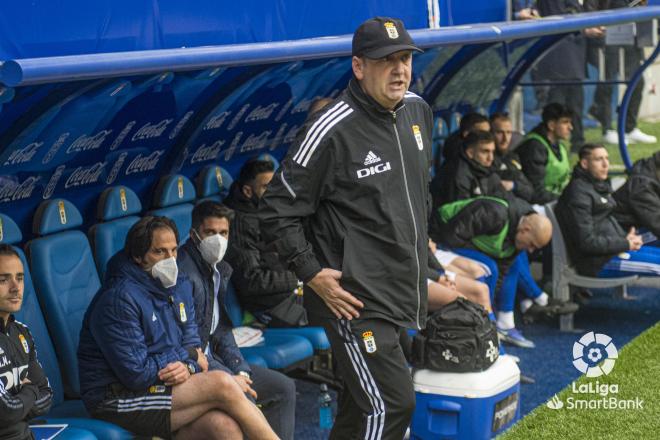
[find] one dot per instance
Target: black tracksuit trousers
(378, 399)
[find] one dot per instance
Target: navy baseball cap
(381, 36)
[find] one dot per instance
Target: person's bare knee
(212, 424)
(223, 426)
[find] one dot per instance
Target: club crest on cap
(391, 30)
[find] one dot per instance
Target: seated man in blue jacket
(200, 258)
(141, 366)
(24, 389)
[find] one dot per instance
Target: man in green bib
(544, 154)
(491, 228)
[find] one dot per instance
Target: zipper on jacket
(412, 214)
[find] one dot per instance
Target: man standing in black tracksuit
(471, 174)
(506, 162)
(596, 242)
(638, 200)
(24, 389)
(265, 288)
(348, 211)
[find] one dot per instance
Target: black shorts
(145, 413)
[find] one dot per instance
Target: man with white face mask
(200, 258)
(141, 364)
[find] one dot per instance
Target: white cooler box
(466, 406)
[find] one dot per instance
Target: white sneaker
(611, 137)
(638, 136)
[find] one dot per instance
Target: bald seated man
(500, 230)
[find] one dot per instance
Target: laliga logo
(591, 350)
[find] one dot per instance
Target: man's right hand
(508, 185)
(202, 361)
(340, 302)
(635, 241)
(174, 373)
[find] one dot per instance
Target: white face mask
(166, 272)
(213, 248)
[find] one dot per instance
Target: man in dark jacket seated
(506, 162)
(455, 142)
(544, 156)
(24, 389)
(638, 200)
(141, 366)
(264, 286)
(594, 238)
(498, 229)
(471, 175)
(200, 258)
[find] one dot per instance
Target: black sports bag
(458, 338)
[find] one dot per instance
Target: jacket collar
(479, 170)
(236, 200)
(368, 104)
(121, 266)
(4, 328)
(601, 186)
(191, 249)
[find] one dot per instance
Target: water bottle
(325, 408)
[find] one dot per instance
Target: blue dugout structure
(73, 125)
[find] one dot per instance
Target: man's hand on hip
(340, 302)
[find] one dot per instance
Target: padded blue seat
(282, 352)
(65, 280)
(213, 183)
(173, 199)
(117, 211)
(315, 335)
(30, 314)
(253, 359)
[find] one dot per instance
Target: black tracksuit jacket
(584, 212)
(638, 200)
(508, 167)
(463, 178)
(352, 195)
(260, 278)
(18, 361)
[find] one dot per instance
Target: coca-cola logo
(260, 113)
(11, 191)
(85, 175)
(150, 131)
(229, 152)
(86, 143)
(216, 121)
(24, 154)
(254, 142)
(238, 117)
(141, 164)
(204, 153)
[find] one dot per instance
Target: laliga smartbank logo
(594, 355)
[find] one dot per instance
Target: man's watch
(191, 368)
(245, 374)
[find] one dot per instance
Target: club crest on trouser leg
(369, 341)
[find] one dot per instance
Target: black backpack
(458, 338)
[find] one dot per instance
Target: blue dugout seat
(280, 351)
(70, 412)
(117, 211)
(65, 279)
(271, 158)
(173, 199)
(213, 183)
